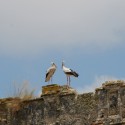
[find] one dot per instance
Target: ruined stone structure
(106, 106)
(111, 102)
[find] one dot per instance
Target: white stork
(69, 72)
(50, 72)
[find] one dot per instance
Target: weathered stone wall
(57, 110)
(111, 102)
(104, 107)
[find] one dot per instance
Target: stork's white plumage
(69, 72)
(50, 72)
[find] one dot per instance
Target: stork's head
(53, 64)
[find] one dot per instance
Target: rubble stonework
(106, 106)
(111, 102)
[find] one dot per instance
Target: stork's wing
(74, 73)
(49, 73)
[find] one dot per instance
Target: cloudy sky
(88, 35)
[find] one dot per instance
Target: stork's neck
(62, 64)
(54, 65)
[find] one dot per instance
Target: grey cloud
(33, 26)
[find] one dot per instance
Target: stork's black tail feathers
(74, 73)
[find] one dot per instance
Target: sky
(89, 35)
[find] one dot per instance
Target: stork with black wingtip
(50, 72)
(69, 72)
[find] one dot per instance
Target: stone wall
(104, 107)
(69, 109)
(111, 102)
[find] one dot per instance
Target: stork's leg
(51, 80)
(67, 80)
